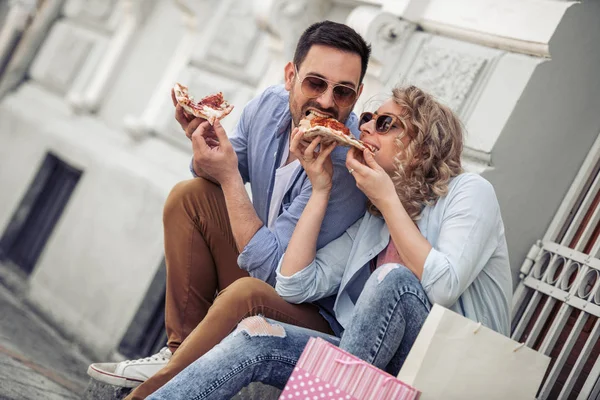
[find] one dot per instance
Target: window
(36, 216)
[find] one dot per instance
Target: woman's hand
(317, 164)
(370, 178)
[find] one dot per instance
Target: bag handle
(348, 362)
(517, 347)
(362, 363)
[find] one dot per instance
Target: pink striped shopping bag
(326, 372)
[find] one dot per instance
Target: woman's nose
(368, 127)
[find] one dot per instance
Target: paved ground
(35, 362)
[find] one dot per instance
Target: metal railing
(556, 307)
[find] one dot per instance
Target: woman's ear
(289, 74)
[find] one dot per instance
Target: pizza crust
(201, 111)
(329, 135)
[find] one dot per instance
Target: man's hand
(188, 122)
(213, 153)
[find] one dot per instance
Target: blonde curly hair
(432, 157)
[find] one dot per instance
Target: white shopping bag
(456, 358)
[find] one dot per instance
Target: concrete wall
(107, 246)
(550, 131)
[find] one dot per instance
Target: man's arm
(245, 223)
(221, 163)
(201, 174)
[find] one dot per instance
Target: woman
(432, 235)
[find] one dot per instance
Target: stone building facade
(89, 148)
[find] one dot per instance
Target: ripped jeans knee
(384, 270)
(259, 326)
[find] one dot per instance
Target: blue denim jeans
(386, 320)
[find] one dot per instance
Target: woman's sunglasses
(383, 123)
(313, 86)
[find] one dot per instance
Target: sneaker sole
(111, 379)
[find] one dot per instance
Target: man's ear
(289, 74)
(360, 89)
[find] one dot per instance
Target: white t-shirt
(283, 179)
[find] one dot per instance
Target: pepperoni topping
(330, 123)
(214, 101)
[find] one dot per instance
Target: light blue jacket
(259, 140)
(467, 269)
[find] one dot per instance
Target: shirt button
(275, 155)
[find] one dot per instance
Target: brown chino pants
(201, 258)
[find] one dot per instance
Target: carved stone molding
(231, 44)
(83, 51)
(151, 120)
(235, 38)
(445, 73)
(61, 61)
(74, 50)
(285, 20)
(493, 23)
(387, 34)
(127, 17)
(90, 11)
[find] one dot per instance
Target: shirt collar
(284, 123)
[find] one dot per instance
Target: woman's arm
(469, 235)
(412, 247)
(322, 277)
(302, 247)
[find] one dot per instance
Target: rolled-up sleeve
(239, 137)
(346, 205)
(322, 277)
(469, 235)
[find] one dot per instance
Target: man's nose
(325, 100)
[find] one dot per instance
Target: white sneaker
(130, 373)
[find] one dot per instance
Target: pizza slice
(331, 130)
(211, 107)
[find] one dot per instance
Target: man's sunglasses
(313, 86)
(383, 123)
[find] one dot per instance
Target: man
(214, 235)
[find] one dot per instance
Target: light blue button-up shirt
(467, 269)
(259, 140)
